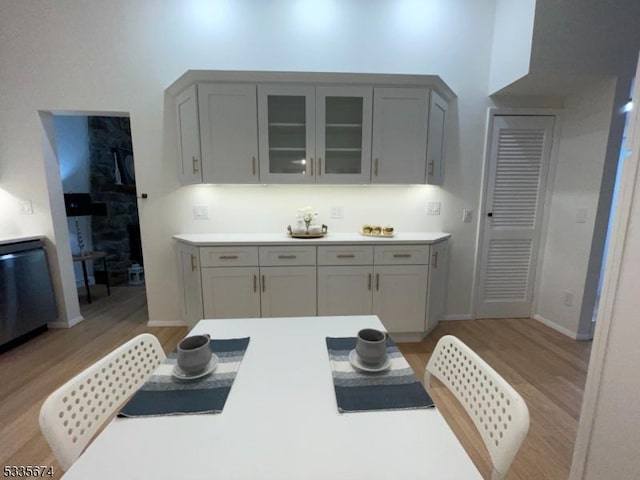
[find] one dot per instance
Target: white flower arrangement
(306, 214)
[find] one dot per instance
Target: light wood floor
(547, 368)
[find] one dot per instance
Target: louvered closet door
(518, 164)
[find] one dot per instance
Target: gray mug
(371, 346)
(194, 353)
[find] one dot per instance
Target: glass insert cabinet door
(311, 134)
(343, 134)
(286, 126)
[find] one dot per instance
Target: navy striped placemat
(394, 389)
(163, 394)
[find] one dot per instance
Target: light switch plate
(467, 215)
(433, 208)
(26, 207)
(336, 212)
(581, 215)
(200, 212)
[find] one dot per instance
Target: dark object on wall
(135, 244)
(99, 209)
(77, 204)
(124, 160)
(27, 302)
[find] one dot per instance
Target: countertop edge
(204, 240)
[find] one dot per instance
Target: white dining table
(280, 421)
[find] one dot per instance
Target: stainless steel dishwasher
(27, 302)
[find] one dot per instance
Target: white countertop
(208, 239)
(8, 239)
(280, 422)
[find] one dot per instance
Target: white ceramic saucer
(355, 361)
(182, 375)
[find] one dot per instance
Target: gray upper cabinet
(189, 164)
(274, 131)
(343, 134)
(399, 135)
(286, 125)
(228, 133)
(435, 139)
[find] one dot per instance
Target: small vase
(306, 225)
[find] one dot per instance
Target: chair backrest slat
(497, 410)
(73, 413)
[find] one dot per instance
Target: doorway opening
(96, 165)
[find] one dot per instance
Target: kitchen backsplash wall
(271, 208)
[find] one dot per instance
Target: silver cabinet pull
(253, 166)
(435, 260)
(375, 167)
(319, 166)
(193, 263)
(311, 164)
(287, 256)
(264, 283)
(345, 255)
(194, 164)
(228, 257)
(401, 255)
(377, 281)
(255, 283)
(369, 282)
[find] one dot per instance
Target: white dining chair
(73, 413)
(497, 410)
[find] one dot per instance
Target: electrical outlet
(567, 298)
(201, 212)
(336, 212)
(433, 208)
(26, 207)
(467, 215)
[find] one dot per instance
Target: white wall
(72, 140)
(512, 37)
(578, 172)
(609, 429)
(122, 55)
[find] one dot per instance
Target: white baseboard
(62, 324)
(560, 328)
(166, 323)
(463, 316)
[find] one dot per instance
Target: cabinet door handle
(319, 166)
(435, 260)
(287, 256)
(193, 263)
(377, 282)
(253, 166)
(311, 165)
(369, 282)
(401, 255)
(263, 283)
(228, 257)
(194, 164)
(255, 283)
(375, 167)
(345, 255)
(431, 168)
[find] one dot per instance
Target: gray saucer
(356, 363)
(182, 375)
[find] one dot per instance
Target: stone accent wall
(110, 233)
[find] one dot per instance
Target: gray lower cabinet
(404, 285)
